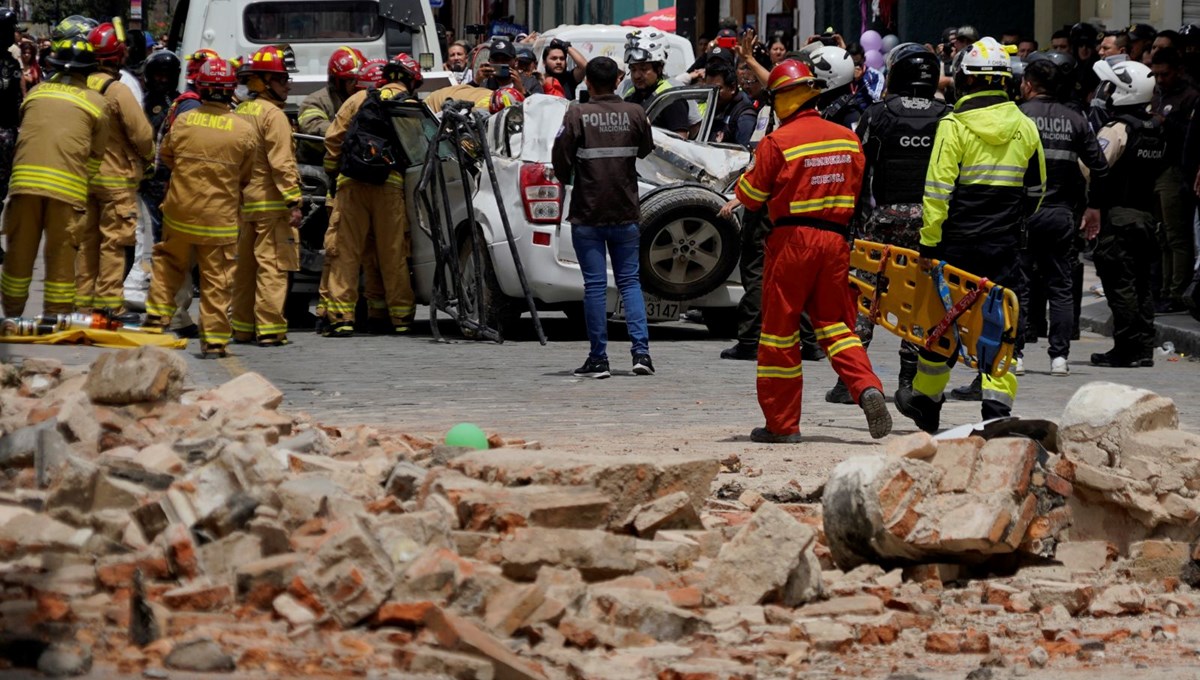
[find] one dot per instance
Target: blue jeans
(621, 241)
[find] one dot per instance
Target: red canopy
(663, 20)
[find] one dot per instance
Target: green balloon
(467, 435)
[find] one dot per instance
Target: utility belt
(814, 223)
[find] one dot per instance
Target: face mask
(242, 92)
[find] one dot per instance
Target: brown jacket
(275, 184)
(210, 152)
(336, 133)
(64, 129)
(130, 140)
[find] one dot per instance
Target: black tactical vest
(904, 130)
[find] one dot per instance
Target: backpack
(371, 150)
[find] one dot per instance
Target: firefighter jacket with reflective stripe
(897, 137)
(986, 175)
(1135, 144)
(275, 184)
(64, 131)
(1069, 142)
(130, 140)
(336, 133)
(210, 151)
(808, 170)
(317, 111)
(596, 151)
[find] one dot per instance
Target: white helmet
(646, 45)
(1126, 83)
(831, 64)
(985, 57)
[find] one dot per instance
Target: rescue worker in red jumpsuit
(809, 173)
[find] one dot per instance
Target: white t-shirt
(131, 81)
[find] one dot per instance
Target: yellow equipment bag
(938, 310)
(100, 338)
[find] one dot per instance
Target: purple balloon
(874, 59)
(871, 40)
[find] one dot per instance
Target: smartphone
(729, 43)
(503, 71)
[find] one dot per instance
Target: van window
(340, 21)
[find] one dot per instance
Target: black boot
(972, 392)
(839, 394)
(879, 420)
(924, 411)
(908, 371)
(990, 408)
(741, 352)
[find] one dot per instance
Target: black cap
(720, 53)
(1142, 32)
(503, 46)
(727, 33)
(526, 54)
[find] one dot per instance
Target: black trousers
(1046, 264)
(755, 228)
(1125, 250)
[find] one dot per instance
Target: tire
(687, 250)
(499, 310)
(721, 322)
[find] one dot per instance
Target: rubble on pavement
(146, 527)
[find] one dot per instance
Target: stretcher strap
(991, 336)
(952, 311)
(880, 275)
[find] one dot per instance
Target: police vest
(1145, 157)
(905, 130)
(663, 86)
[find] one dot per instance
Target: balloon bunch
(876, 46)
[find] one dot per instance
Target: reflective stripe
(816, 204)
(312, 113)
(831, 331)
(608, 152)
(203, 231)
(160, 310)
(785, 372)
(81, 301)
(11, 285)
(1039, 190)
(934, 196)
(400, 310)
(263, 206)
(750, 191)
(272, 329)
(977, 169)
(117, 182)
(292, 194)
(241, 326)
(114, 301)
(215, 338)
(78, 100)
(843, 345)
(377, 304)
(997, 395)
(338, 306)
(780, 341)
(929, 368)
(994, 180)
(1061, 155)
(329, 164)
(50, 179)
(393, 179)
(814, 148)
(930, 184)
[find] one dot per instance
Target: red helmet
(217, 79)
(370, 74)
(196, 60)
(404, 68)
(344, 63)
(504, 98)
(790, 73)
(269, 59)
(108, 44)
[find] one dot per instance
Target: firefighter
(210, 152)
(64, 130)
(897, 136)
(319, 108)
(10, 100)
(268, 239)
(809, 173)
(1136, 148)
(989, 157)
(362, 211)
(112, 194)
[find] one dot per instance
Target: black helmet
(1084, 34)
(912, 70)
(1053, 70)
(74, 26)
(163, 62)
(1190, 33)
(73, 54)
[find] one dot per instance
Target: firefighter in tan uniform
(268, 243)
(363, 210)
(318, 109)
(210, 151)
(112, 194)
(64, 129)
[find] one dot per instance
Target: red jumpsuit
(808, 172)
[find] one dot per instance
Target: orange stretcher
(938, 309)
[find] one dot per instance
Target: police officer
(318, 109)
(161, 72)
(1135, 145)
(1050, 232)
(988, 156)
(808, 173)
(897, 136)
(210, 151)
(64, 130)
(112, 194)
(645, 57)
(362, 211)
(268, 238)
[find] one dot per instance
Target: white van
(604, 40)
(313, 28)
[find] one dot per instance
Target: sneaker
(642, 365)
(879, 420)
(593, 368)
(972, 392)
(1019, 369)
(839, 394)
(741, 352)
(764, 436)
(1059, 367)
(924, 411)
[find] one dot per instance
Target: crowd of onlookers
(31, 52)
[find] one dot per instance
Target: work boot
(908, 370)
(839, 394)
(339, 329)
(277, 340)
(972, 392)
(1116, 359)
(764, 436)
(187, 332)
(157, 324)
(213, 350)
(1191, 298)
(879, 419)
(382, 326)
(924, 411)
(741, 352)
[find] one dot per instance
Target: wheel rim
(685, 250)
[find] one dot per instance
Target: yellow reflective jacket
(986, 175)
(64, 130)
(275, 184)
(130, 140)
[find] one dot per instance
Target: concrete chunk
(596, 554)
(771, 559)
(131, 376)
